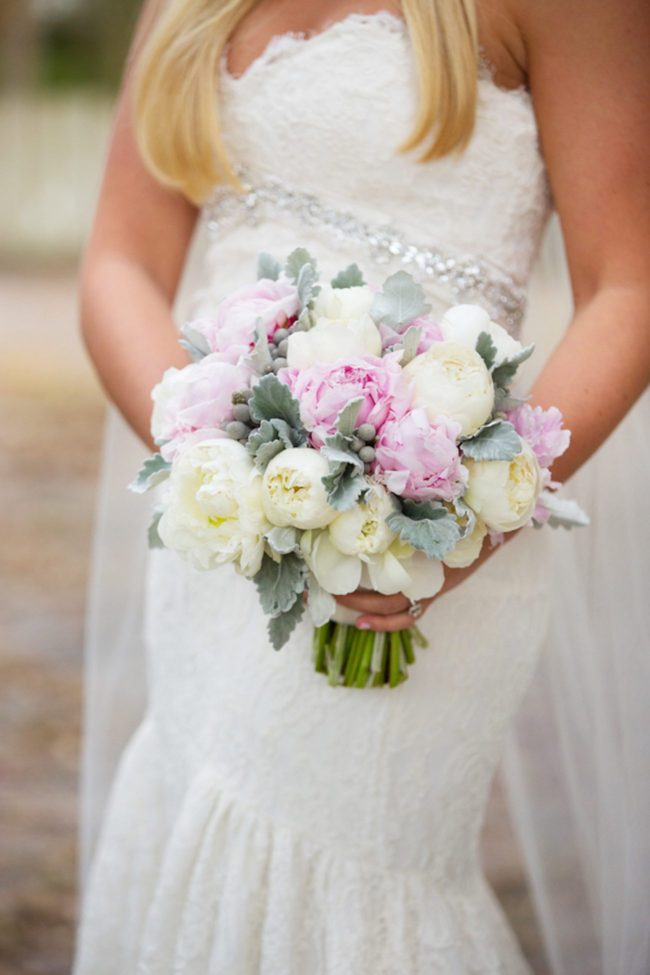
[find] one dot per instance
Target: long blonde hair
(176, 104)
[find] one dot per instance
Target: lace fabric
(261, 822)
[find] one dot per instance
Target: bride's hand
(388, 613)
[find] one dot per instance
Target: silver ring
(415, 609)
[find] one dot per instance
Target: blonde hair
(176, 103)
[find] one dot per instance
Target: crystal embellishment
(467, 278)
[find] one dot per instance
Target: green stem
(394, 664)
(419, 636)
(407, 644)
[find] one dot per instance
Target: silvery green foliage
(400, 301)
(280, 582)
(504, 401)
(296, 261)
(321, 604)
(347, 418)
(344, 483)
(410, 343)
(272, 400)
(504, 373)
(464, 511)
(283, 540)
(306, 284)
(271, 438)
(344, 486)
(268, 267)
(194, 342)
(261, 355)
(351, 277)
(486, 349)
(153, 538)
(427, 526)
(154, 470)
(565, 513)
(281, 627)
(497, 440)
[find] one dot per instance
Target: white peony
(343, 328)
(504, 492)
(214, 510)
(464, 324)
(452, 380)
(358, 549)
(468, 549)
(293, 492)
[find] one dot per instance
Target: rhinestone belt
(467, 278)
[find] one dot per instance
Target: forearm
(598, 370)
(128, 329)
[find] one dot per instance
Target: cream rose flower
(464, 324)
(468, 549)
(359, 548)
(343, 328)
(293, 491)
(504, 492)
(449, 379)
(214, 510)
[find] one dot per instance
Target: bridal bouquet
(332, 436)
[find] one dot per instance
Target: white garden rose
(343, 328)
(464, 324)
(504, 492)
(468, 549)
(214, 510)
(359, 549)
(363, 529)
(293, 492)
(452, 380)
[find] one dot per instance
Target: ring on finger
(415, 608)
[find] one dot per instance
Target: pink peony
(232, 329)
(323, 391)
(417, 459)
(430, 333)
(542, 430)
(194, 403)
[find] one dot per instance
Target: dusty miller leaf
(400, 301)
(504, 401)
(261, 355)
(295, 261)
(347, 418)
(278, 583)
(271, 399)
(281, 627)
(344, 487)
(268, 267)
(194, 342)
(351, 277)
(486, 349)
(410, 343)
(283, 540)
(337, 451)
(565, 512)
(497, 440)
(153, 471)
(426, 526)
(505, 372)
(153, 538)
(306, 284)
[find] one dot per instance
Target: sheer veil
(577, 782)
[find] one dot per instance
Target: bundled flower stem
(364, 658)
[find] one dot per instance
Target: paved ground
(49, 452)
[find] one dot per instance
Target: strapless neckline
(299, 43)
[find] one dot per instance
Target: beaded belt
(467, 278)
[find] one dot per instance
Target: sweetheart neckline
(290, 42)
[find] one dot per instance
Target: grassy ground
(49, 454)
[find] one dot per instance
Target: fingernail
(363, 626)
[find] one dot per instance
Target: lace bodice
(308, 150)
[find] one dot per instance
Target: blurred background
(60, 63)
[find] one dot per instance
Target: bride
(261, 821)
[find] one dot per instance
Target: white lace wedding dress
(262, 821)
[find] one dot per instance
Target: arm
(132, 266)
(589, 75)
